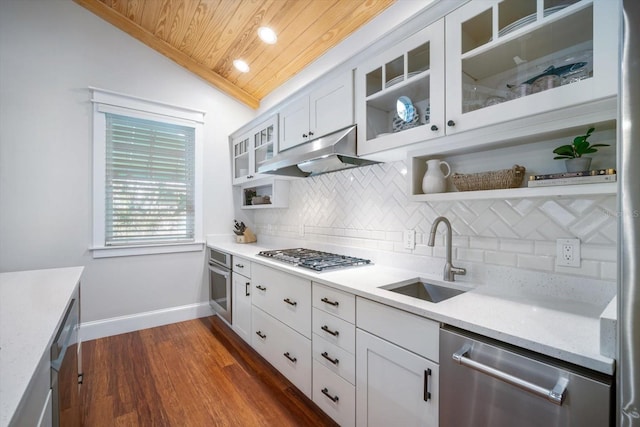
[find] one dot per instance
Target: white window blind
(150, 182)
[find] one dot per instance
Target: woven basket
(493, 180)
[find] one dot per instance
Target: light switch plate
(409, 239)
(568, 252)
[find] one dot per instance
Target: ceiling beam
(133, 29)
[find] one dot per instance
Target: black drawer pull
(288, 301)
(328, 301)
(329, 331)
(262, 288)
(239, 265)
(451, 123)
(246, 289)
(261, 335)
(249, 176)
(288, 356)
(427, 393)
(434, 128)
(326, 356)
(325, 391)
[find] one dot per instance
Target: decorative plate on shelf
(401, 78)
(528, 19)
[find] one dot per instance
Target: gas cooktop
(312, 259)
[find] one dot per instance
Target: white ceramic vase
(434, 181)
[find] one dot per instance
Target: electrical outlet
(568, 252)
(409, 239)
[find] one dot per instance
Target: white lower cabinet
(334, 395)
(241, 306)
(287, 350)
(46, 417)
(396, 367)
(394, 387)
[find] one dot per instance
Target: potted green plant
(573, 153)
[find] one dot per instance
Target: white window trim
(112, 102)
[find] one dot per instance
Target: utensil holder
(247, 237)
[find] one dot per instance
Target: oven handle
(555, 395)
(223, 272)
(56, 364)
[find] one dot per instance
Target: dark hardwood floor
(194, 373)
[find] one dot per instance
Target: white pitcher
(434, 180)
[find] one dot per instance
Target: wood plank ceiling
(206, 36)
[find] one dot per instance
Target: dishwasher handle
(555, 395)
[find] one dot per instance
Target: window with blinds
(150, 182)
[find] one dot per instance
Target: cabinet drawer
(413, 332)
(284, 296)
(336, 359)
(338, 303)
(288, 351)
(335, 396)
(334, 330)
(241, 266)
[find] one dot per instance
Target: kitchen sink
(421, 289)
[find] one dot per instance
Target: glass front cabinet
(400, 93)
(253, 148)
(504, 60)
(514, 58)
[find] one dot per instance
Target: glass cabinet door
(400, 93)
(241, 158)
(263, 143)
(513, 58)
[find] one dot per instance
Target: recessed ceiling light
(267, 35)
(241, 65)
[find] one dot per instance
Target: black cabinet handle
(249, 176)
(239, 265)
(326, 356)
(451, 123)
(262, 288)
(310, 133)
(329, 331)
(261, 335)
(427, 393)
(246, 289)
(328, 301)
(434, 128)
(288, 301)
(325, 391)
(288, 356)
(304, 135)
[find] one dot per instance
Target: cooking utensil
(242, 227)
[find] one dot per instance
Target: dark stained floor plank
(194, 373)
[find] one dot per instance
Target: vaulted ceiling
(206, 36)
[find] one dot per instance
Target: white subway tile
(609, 270)
(393, 236)
(461, 241)
(532, 262)
(587, 268)
(543, 247)
(423, 250)
(483, 242)
(520, 246)
(599, 253)
(472, 255)
(501, 258)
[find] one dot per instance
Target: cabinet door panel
(335, 396)
(392, 385)
(241, 303)
(294, 124)
(331, 106)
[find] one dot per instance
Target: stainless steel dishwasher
(487, 383)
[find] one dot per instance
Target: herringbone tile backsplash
(369, 207)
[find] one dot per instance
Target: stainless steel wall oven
(220, 283)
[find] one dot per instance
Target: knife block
(247, 237)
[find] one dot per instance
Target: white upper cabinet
(505, 60)
(508, 59)
(400, 93)
(325, 109)
(251, 149)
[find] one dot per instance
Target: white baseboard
(135, 322)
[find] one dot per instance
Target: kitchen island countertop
(560, 328)
(32, 305)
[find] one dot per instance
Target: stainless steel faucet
(449, 270)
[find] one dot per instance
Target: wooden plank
(345, 22)
(179, 21)
(169, 376)
(203, 15)
(169, 51)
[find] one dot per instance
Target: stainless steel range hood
(329, 153)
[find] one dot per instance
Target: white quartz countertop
(556, 327)
(32, 304)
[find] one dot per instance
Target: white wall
(51, 51)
